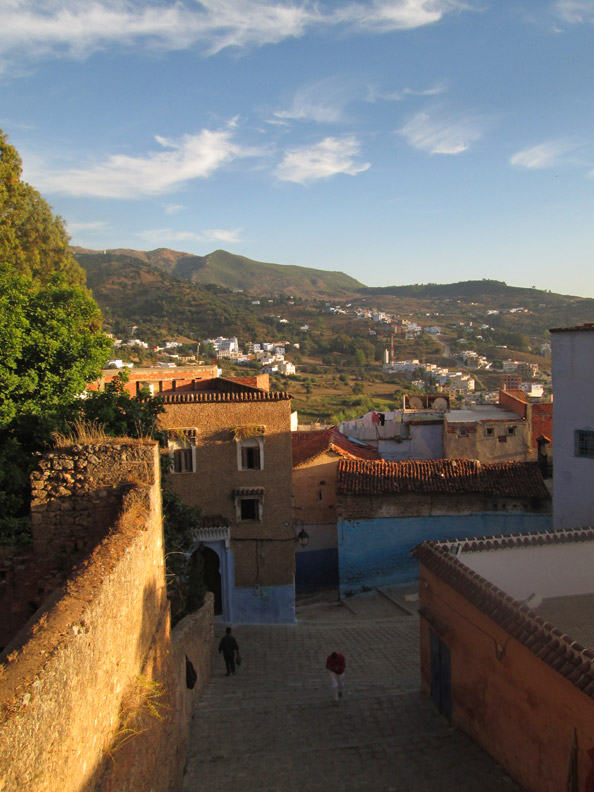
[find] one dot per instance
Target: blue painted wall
(377, 552)
(266, 605)
(316, 569)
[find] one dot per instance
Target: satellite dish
(416, 402)
(440, 404)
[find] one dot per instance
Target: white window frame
(238, 501)
(250, 442)
(182, 444)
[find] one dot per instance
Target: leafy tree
(119, 414)
(358, 388)
(49, 334)
(32, 240)
(52, 344)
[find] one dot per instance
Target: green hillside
(166, 293)
(132, 292)
(238, 272)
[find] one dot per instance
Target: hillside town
(389, 500)
(264, 527)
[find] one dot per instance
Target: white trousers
(337, 683)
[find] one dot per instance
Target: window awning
(248, 492)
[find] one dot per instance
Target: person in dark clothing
(228, 646)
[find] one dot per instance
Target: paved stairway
(273, 727)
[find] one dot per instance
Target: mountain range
(171, 293)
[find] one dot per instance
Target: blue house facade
(385, 509)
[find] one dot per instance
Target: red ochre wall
(517, 707)
(540, 413)
(542, 421)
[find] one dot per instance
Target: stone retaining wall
(93, 694)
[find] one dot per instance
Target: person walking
(230, 650)
(336, 664)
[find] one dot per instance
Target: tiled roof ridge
(547, 642)
(578, 328)
(192, 397)
(214, 521)
(531, 539)
(449, 476)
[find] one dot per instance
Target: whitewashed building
(573, 419)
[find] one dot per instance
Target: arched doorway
(212, 577)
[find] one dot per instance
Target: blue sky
(399, 141)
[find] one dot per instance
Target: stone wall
(93, 693)
(76, 498)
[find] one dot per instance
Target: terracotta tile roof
(214, 521)
(449, 476)
(246, 491)
(308, 445)
(555, 648)
(579, 328)
(221, 389)
(203, 397)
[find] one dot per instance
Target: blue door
(441, 676)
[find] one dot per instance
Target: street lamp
(302, 537)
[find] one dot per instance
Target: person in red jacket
(335, 663)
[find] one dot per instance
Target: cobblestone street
(273, 726)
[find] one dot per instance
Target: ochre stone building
(316, 456)
(230, 449)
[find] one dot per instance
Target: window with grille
(584, 443)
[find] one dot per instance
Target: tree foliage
(51, 342)
(33, 240)
(50, 336)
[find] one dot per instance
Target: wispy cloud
(326, 101)
(171, 209)
(229, 235)
(327, 158)
(158, 172)
(323, 101)
(437, 133)
(387, 15)
(550, 154)
(575, 11)
(375, 94)
(48, 28)
(160, 236)
(95, 225)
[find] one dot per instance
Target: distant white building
(118, 364)
(287, 368)
(573, 419)
(533, 389)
